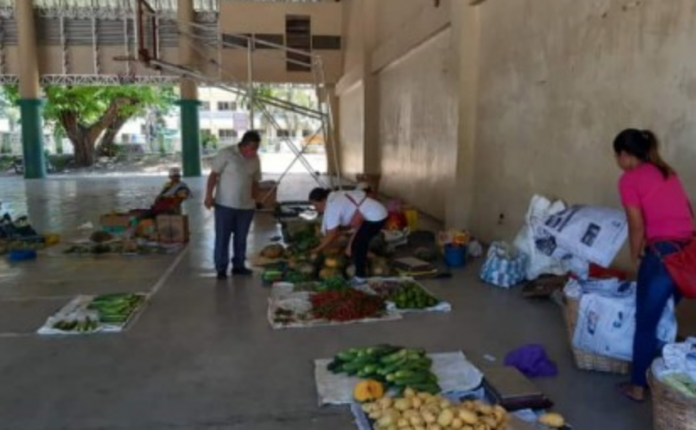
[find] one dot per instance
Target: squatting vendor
(355, 209)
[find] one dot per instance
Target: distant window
(307, 133)
(227, 134)
(298, 36)
(205, 132)
(227, 106)
(282, 133)
(205, 106)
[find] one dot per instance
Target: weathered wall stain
(605, 65)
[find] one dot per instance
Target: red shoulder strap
(352, 200)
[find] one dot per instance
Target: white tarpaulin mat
(441, 305)
(298, 308)
(77, 310)
(454, 373)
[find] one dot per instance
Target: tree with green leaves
(8, 110)
(92, 116)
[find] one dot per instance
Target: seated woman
(174, 193)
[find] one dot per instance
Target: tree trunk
(106, 145)
(84, 138)
(84, 149)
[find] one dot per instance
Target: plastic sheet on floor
(441, 306)
(297, 308)
(77, 309)
(520, 420)
(454, 372)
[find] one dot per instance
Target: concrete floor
(202, 355)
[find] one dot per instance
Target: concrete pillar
(372, 150)
(332, 150)
(30, 102)
(189, 103)
(466, 25)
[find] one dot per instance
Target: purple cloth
(532, 361)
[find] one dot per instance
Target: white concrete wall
(352, 134)
(418, 125)
(559, 79)
(549, 83)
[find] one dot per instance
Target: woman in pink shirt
(660, 223)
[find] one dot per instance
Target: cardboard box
(173, 228)
(268, 202)
(146, 229)
(115, 223)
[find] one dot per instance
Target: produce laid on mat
(361, 372)
(328, 302)
(91, 314)
(407, 294)
(346, 305)
(422, 410)
(395, 367)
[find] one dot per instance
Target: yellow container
(51, 239)
(411, 218)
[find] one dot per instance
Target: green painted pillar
(32, 138)
(190, 137)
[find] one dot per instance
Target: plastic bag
(606, 325)
(539, 263)
(504, 266)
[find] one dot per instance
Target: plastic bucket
(22, 255)
(455, 256)
(411, 218)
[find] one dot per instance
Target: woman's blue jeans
(655, 288)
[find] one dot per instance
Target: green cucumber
(393, 356)
(356, 365)
(392, 367)
(426, 388)
(345, 356)
(413, 379)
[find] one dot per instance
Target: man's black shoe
(241, 271)
(221, 276)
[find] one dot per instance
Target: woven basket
(587, 360)
(671, 409)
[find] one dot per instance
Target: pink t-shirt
(664, 203)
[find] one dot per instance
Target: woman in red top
(660, 223)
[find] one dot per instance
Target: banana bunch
(395, 366)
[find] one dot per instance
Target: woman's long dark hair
(643, 145)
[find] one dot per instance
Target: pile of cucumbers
(82, 326)
(116, 308)
(395, 366)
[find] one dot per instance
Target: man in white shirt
(232, 184)
(355, 209)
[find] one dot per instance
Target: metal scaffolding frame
(201, 37)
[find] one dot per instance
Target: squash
(368, 391)
(380, 267)
(273, 251)
(552, 420)
(331, 262)
(327, 273)
(350, 271)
